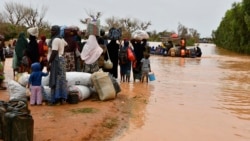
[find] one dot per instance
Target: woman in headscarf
(32, 50)
(125, 68)
(139, 48)
(56, 67)
(113, 49)
(69, 51)
(90, 55)
(21, 46)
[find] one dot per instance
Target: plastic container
(151, 76)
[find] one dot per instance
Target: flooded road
(196, 99)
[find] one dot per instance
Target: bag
(103, 85)
(131, 55)
(140, 34)
(108, 64)
(123, 56)
(91, 68)
(73, 97)
(114, 34)
(92, 29)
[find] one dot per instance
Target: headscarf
(43, 38)
(32, 49)
(91, 50)
(21, 45)
(56, 28)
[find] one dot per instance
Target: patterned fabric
(58, 83)
(91, 68)
(70, 61)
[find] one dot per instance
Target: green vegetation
(233, 32)
(110, 123)
(84, 110)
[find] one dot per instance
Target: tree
(127, 25)
(233, 31)
(18, 14)
(182, 30)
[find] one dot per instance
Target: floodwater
(196, 99)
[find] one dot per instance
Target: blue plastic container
(151, 76)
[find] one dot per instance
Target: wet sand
(197, 99)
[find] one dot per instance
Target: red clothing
(40, 48)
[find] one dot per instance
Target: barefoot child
(145, 67)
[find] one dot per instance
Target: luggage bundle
(16, 123)
(73, 97)
(103, 85)
(114, 33)
(93, 28)
(140, 35)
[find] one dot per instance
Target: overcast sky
(202, 15)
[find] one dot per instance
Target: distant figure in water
(198, 51)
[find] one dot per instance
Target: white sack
(83, 92)
(140, 34)
(46, 93)
(23, 78)
(78, 78)
(45, 80)
(16, 90)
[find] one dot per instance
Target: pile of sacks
(79, 82)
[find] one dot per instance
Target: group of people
(65, 52)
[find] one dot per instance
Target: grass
(84, 110)
(110, 123)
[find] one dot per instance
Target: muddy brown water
(196, 99)
(192, 99)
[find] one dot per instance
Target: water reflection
(185, 93)
(235, 91)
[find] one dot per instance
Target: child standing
(35, 81)
(145, 67)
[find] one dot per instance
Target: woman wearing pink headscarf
(90, 55)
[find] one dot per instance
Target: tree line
(16, 18)
(233, 32)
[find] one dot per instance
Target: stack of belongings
(140, 35)
(115, 33)
(78, 83)
(93, 27)
(16, 123)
